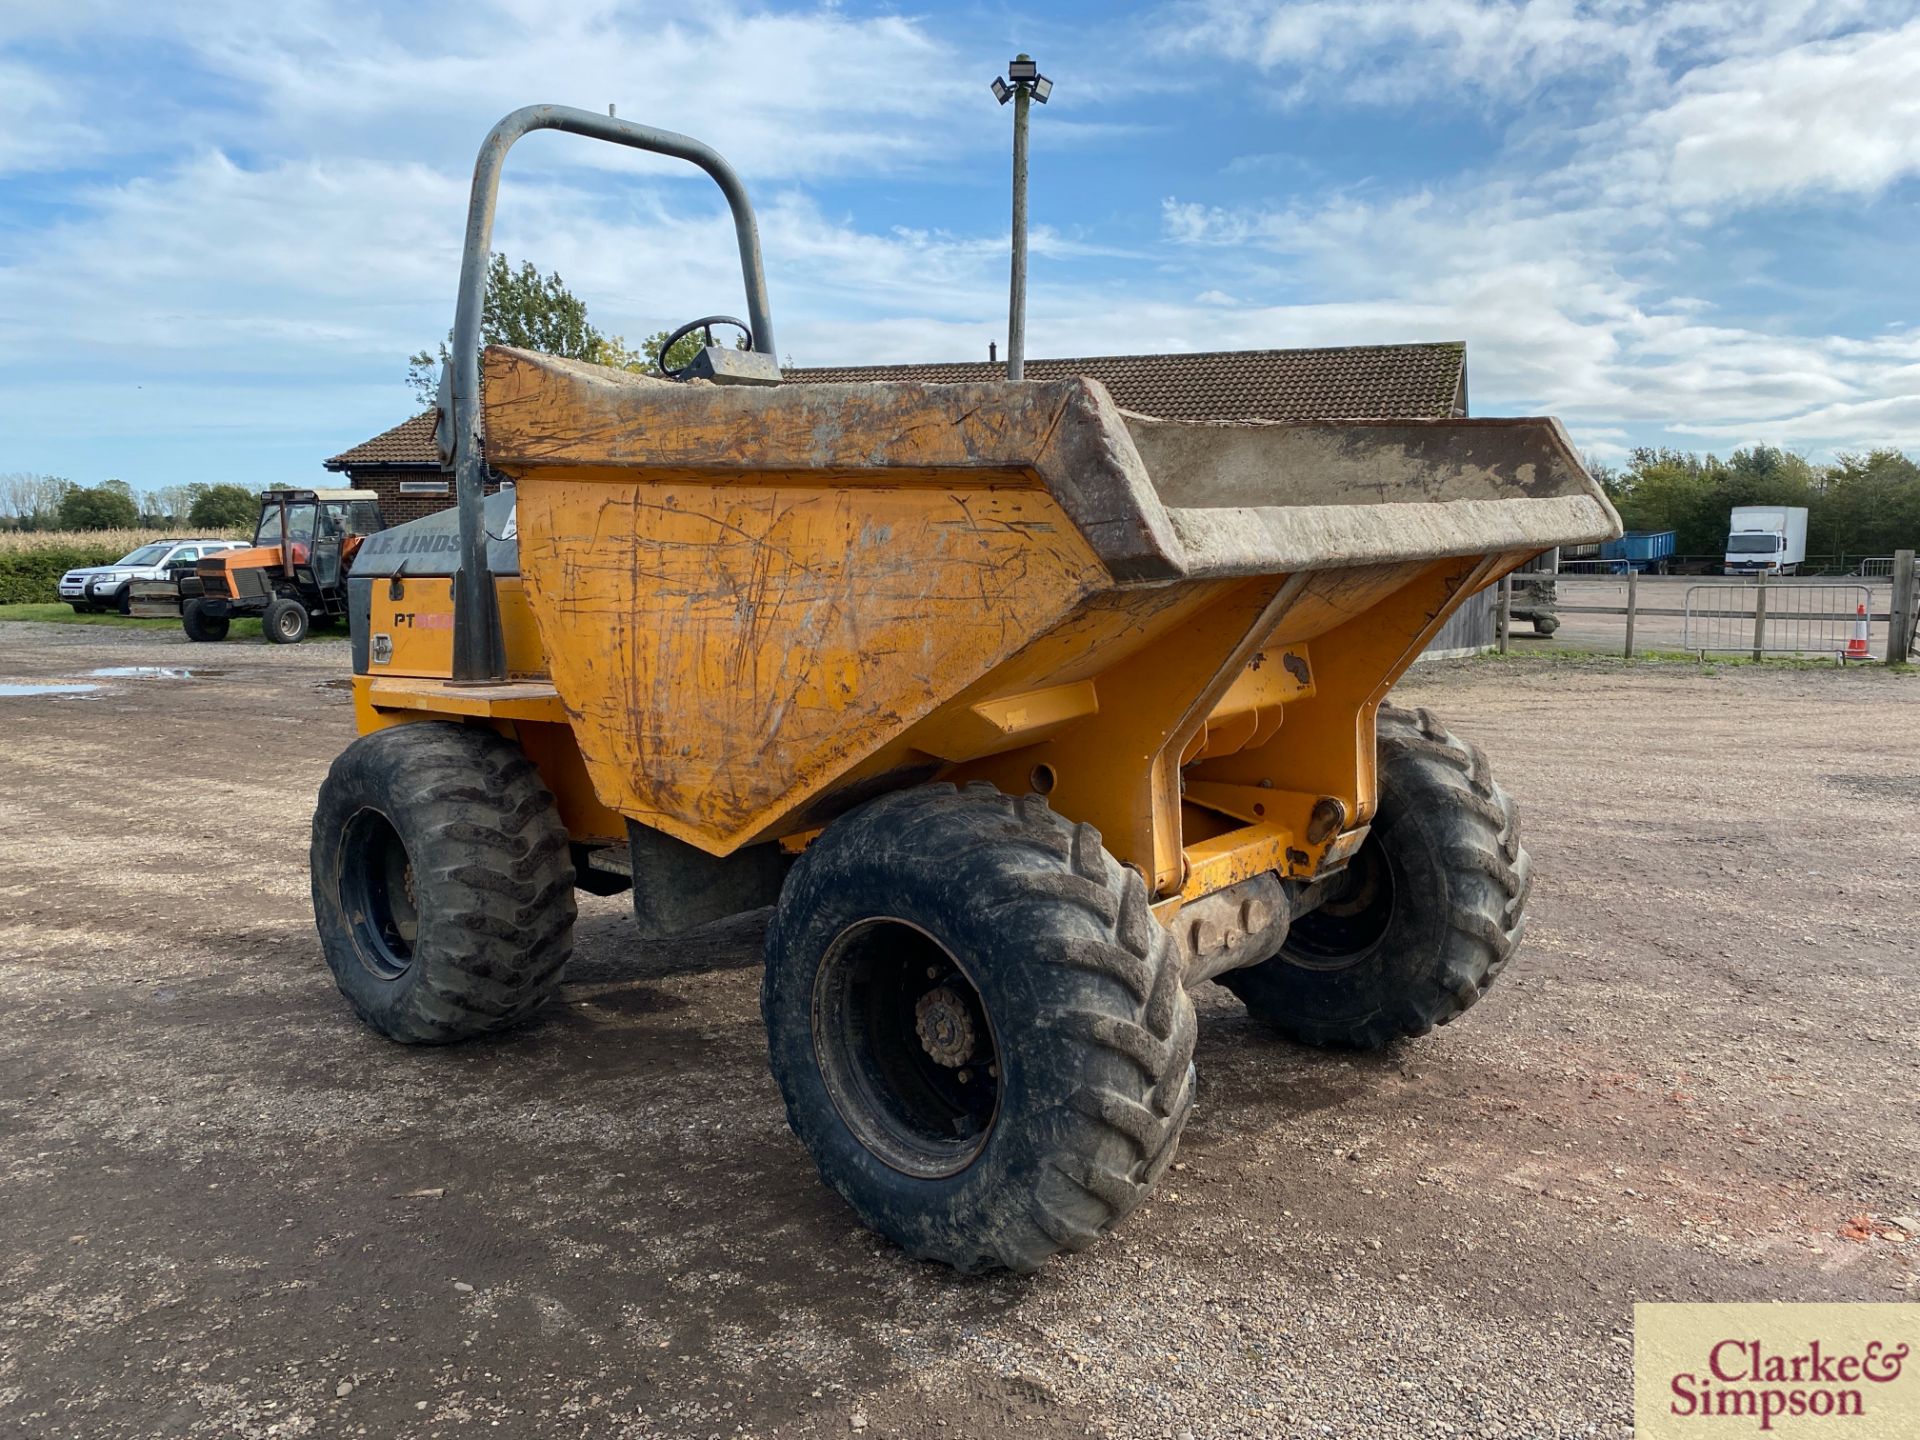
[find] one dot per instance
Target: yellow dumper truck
(1026, 714)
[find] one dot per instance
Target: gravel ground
(232, 1211)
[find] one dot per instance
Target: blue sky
(224, 225)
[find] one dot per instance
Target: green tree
(1609, 477)
(1858, 505)
(684, 349)
(648, 359)
(223, 507)
(1674, 490)
(1871, 503)
(168, 506)
(106, 506)
(523, 308)
(613, 352)
(32, 502)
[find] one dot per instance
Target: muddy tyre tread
(1487, 878)
(492, 869)
(1113, 1026)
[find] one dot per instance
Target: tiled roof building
(1355, 382)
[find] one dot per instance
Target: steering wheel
(705, 323)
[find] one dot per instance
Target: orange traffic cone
(1857, 646)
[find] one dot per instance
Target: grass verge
(1711, 663)
(243, 629)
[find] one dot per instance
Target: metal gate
(1779, 619)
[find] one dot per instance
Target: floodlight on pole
(1023, 83)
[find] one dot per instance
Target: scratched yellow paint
(728, 649)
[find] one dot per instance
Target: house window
(423, 487)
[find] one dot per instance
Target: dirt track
(231, 1211)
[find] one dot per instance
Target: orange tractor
(293, 575)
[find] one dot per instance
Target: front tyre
(1426, 915)
(201, 624)
(442, 884)
(285, 621)
(978, 1026)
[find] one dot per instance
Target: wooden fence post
(1506, 610)
(1900, 614)
(1760, 615)
(1633, 591)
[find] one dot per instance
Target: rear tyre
(1545, 624)
(978, 1026)
(442, 887)
(1427, 915)
(201, 624)
(285, 621)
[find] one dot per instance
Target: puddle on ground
(46, 687)
(154, 672)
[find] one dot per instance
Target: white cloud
(1557, 273)
(1841, 117)
(1383, 51)
(296, 222)
(220, 261)
(1558, 313)
(801, 94)
(315, 276)
(40, 128)
(280, 257)
(1398, 52)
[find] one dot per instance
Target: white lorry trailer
(1766, 540)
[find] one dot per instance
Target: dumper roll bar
(479, 656)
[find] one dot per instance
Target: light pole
(1023, 82)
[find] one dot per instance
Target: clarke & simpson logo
(1777, 1370)
(1742, 1378)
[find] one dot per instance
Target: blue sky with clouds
(224, 225)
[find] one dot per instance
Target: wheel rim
(1344, 929)
(906, 1047)
(377, 894)
(289, 624)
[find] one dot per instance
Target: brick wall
(398, 508)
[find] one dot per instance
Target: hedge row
(32, 577)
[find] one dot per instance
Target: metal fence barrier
(1761, 617)
(1842, 566)
(1778, 619)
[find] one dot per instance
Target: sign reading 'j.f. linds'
(1715, 1372)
